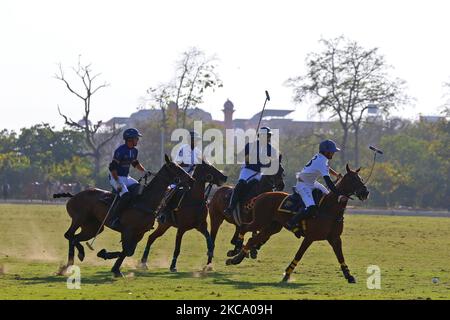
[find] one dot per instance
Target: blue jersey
(125, 156)
(258, 165)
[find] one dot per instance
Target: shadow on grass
(219, 278)
(215, 277)
(101, 277)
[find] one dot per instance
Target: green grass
(409, 250)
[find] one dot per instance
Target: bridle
(177, 180)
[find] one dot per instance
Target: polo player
(187, 157)
(119, 168)
(252, 170)
(307, 182)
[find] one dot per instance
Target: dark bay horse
(327, 225)
(191, 213)
(88, 212)
(220, 201)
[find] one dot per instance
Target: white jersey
(317, 167)
(188, 156)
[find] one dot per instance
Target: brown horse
(327, 225)
(88, 212)
(191, 213)
(220, 201)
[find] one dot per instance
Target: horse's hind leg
(70, 235)
(162, 228)
(88, 231)
(260, 237)
(336, 244)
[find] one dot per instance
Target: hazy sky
(259, 43)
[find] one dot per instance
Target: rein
(208, 191)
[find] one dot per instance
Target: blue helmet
(328, 146)
(131, 133)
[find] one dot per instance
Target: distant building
(274, 118)
(431, 119)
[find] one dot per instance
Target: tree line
(350, 84)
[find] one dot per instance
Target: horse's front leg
(336, 244)
(298, 256)
(162, 228)
(176, 252)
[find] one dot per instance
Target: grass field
(409, 250)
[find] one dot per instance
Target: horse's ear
(347, 167)
(167, 158)
(357, 170)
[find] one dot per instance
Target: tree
(194, 75)
(344, 79)
(446, 106)
(94, 142)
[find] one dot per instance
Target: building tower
(228, 109)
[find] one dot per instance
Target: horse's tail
(62, 195)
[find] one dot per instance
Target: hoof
(117, 274)
(173, 269)
(286, 278)
(102, 254)
(351, 279)
(81, 256)
(62, 270)
(232, 253)
(208, 267)
(142, 266)
(253, 253)
(229, 262)
(238, 258)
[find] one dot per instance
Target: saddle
(135, 202)
(292, 203)
(248, 194)
(170, 204)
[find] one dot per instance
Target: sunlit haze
(260, 44)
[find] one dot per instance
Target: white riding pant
(189, 170)
(305, 190)
(248, 174)
(124, 181)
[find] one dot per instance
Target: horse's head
(207, 173)
(175, 173)
(352, 183)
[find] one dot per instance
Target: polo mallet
(375, 152)
(260, 117)
(89, 245)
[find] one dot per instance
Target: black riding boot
(116, 211)
(305, 213)
(168, 205)
(235, 196)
